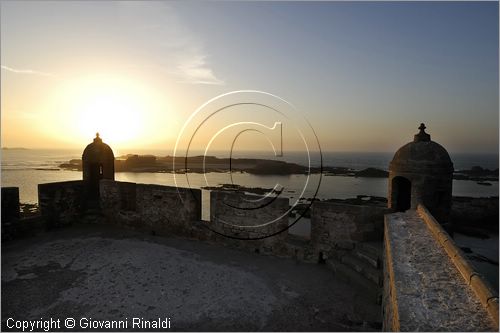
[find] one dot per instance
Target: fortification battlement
(413, 240)
(428, 284)
(172, 211)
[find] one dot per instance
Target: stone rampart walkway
(431, 295)
(109, 274)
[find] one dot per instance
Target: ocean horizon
(35, 158)
(28, 168)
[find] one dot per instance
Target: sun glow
(117, 116)
(115, 107)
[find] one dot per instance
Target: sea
(26, 168)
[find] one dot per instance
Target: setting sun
(116, 115)
(113, 107)
(125, 110)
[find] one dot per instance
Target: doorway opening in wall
(401, 194)
(95, 175)
(321, 258)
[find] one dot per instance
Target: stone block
(482, 290)
(464, 267)
(452, 250)
(493, 309)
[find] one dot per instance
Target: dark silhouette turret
(98, 162)
(422, 172)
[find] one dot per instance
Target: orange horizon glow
(136, 71)
(125, 111)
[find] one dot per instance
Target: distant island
(194, 164)
(200, 164)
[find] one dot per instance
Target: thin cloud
(196, 71)
(182, 55)
(26, 71)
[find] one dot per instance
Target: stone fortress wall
(60, 202)
(172, 211)
(335, 228)
(427, 282)
(338, 226)
(162, 210)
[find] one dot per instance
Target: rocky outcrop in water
(201, 164)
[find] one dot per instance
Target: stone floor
(114, 274)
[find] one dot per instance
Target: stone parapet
(249, 216)
(485, 293)
(61, 203)
(338, 226)
(423, 289)
(389, 298)
(252, 222)
(163, 210)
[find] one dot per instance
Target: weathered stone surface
(61, 203)
(109, 273)
(159, 209)
(481, 288)
(243, 210)
(255, 222)
(337, 226)
(423, 290)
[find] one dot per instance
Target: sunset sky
(363, 74)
